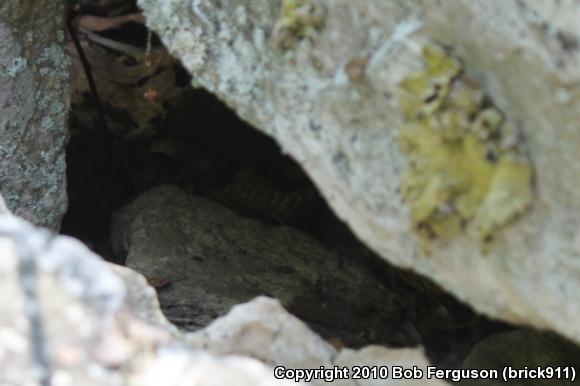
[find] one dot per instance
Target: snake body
(250, 194)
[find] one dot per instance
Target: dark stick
(89, 74)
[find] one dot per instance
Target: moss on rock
(468, 169)
(299, 19)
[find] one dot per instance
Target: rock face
(59, 299)
(321, 77)
(520, 349)
(204, 259)
(34, 102)
(67, 317)
(262, 329)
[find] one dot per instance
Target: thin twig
(89, 74)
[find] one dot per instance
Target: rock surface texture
(322, 77)
(518, 349)
(69, 318)
(204, 259)
(34, 102)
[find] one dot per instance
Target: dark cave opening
(106, 173)
(199, 151)
(200, 145)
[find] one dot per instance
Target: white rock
(344, 132)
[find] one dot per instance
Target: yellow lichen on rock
(467, 170)
(299, 19)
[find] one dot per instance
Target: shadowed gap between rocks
(210, 158)
(205, 153)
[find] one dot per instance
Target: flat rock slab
(205, 259)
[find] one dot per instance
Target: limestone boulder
(322, 78)
(204, 258)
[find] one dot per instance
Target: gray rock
(263, 329)
(59, 303)
(377, 357)
(176, 367)
(206, 259)
(522, 349)
(69, 318)
(327, 96)
(34, 103)
(3, 209)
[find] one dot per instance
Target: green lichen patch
(468, 170)
(299, 19)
